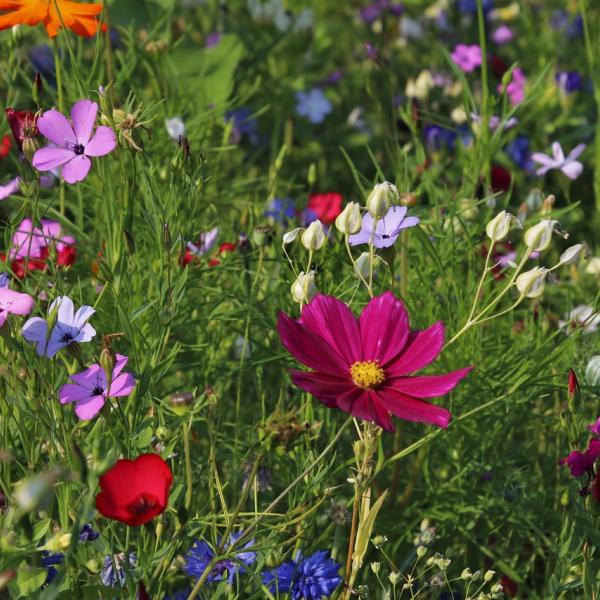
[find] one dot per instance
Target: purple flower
(502, 35)
(205, 243)
(91, 389)
(48, 561)
(87, 534)
(212, 39)
(200, 555)
(331, 79)
(281, 210)
(515, 90)
(73, 143)
(244, 125)
(595, 427)
(495, 122)
(469, 7)
(10, 188)
(388, 229)
(309, 578)
(70, 327)
(436, 137)
(467, 57)
(580, 463)
(4, 280)
(314, 105)
(569, 81)
(571, 167)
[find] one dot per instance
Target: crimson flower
(5, 145)
(23, 124)
(362, 366)
(135, 491)
(573, 383)
(326, 207)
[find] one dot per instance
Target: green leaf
(30, 579)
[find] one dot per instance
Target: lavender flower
(518, 150)
(571, 167)
(313, 105)
(10, 188)
(205, 243)
(4, 280)
(502, 35)
(387, 230)
(87, 534)
(281, 210)
(70, 327)
(309, 578)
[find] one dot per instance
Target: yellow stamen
(367, 374)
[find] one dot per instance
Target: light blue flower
(313, 105)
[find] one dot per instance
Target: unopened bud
(262, 235)
(290, 236)
(571, 255)
(466, 574)
(548, 204)
(376, 567)
(304, 288)
(181, 402)
(362, 268)
(349, 221)
(394, 577)
(312, 175)
(489, 575)
(539, 236)
(313, 237)
(30, 147)
(497, 229)
(531, 283)
(380, 199)
(421, 551)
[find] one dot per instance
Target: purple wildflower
(569, 81)
(10, 188)
(73, 143)
(582, 462)
(87, 534)
(502, 35)
(212, 39)
(595, 427)
(571, 167)
(205, 243)
(515, 90)
(387, 230)
(467, 57)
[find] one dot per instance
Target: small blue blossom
(309, 578)
(42, 59)
(437, 137)
(200, 555)
(181, 595)
(518, 150)
(4, 280)
(87, 534)
(48, 561)
(281, 210)
(569, 81)
(314, 105)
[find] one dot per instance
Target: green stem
(188, 463)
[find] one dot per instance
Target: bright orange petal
(28, 15)
(79, 18)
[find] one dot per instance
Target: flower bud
(290, 236)
(531, 283)
(408, 199)
(489, 575)
(313, 237)
(421, 551)
(539, 236)
(593, 267)
(476, 576)
(304, 288)
(394, 577)
(57, 542)
(181, 402)
(381, 198)
(548, 204)
(466, 574)
(571, 255)
(349, 221)
(534, 200)
(312, 175)
(362, 268)
(375, 567)
(497, 229)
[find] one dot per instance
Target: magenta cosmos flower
(14, 303)
(466, 57)
(90, 388)
(73, 142)
(362, 366)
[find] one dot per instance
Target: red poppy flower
(326, 206)
(135, 491)
(5, 145)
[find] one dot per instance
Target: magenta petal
(83, 116)
(428, 386)
(122, 385)
(48, 158)
(15, 302)
(103, 142)
(76, 169)
(332, 320)
(325, 388)
(411, 409)
(308, 348)
(421, 349)
(356, 402)
(120, 361)
(90, 378)
(57, 129)
(384, 328)
(89, 408)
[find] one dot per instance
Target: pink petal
(71, 392)
(356, 402)
(384, 328)
(18, 304)
(48, 158)
(103, 142)
(309, 349)
(421, 350)
(50, 231)
(325, 388)
(83, 116)
(57, 129)
(332, 320)
(76, 169)
(9, 189)
(411, 409)
(122, 385)
(88, 409)
(92, 377)
(120, 362)
(572, 169)
(428, 386)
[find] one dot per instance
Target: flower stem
(188, 463)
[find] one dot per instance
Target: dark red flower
(501, 179)
(326, 207)
(497, 65)
(66, 256)
(509, 587)
(5, 146)
(224, 249)
(135, 491)
(573, 383)
(23, 125)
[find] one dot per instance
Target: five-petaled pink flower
(73, 142)
(362, 366)
(583, 462)
(467, 57)
(569, 165)
(14, 303)
(91, 389)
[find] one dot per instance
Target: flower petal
(421, 349)
(77, 169)
(65, 307)
(122, 385)
(48, 158)
(82, 316)
(411, 409)
(83, 116)
(384, 328)
(572, 169)
(332, 320)
(103, 142)
(543, 159)
(72, 392)
(89, 408)
(325, 388)
(576, 152)
(34, 331)
(57, 129)
(428, 386)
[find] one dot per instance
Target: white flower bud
(571, 255)
(380, 199)
(476, 576)
(375, 567)
(489, 575)
(394, 577)
(531, 283)
(421, 551)
(497, 229)
(290, 236)
(349, 221)
(466, 574)
(496, 589)
(304, 288)
(363, 265)
(593, 267)
(539, 236)
(313, 237)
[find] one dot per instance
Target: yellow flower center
(367, 374)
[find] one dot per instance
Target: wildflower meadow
(299, 300)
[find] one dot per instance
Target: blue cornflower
(518, 150)
(314, 105)
(87, 534)
(48, 561)
(4, 280)
(281, 210)
(569, 81)
(200, 555)
(309, 578)
(437, 137)
(42, 59)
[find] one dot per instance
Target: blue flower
(48, 561)
(87, 534)
(518, 150)
(42, 59)
(200, 555)
(569, 81)
(309, 578)
(244, 125)
(112, 573)
(4, 280)
(469, 7)
(281, 210)
(314, 105)
(437, 137)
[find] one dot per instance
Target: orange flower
(79, 18)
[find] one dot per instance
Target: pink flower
(502, 35)
(90, 390)
(10, 188)
(581, 463)
(571, 167)
(14, 303)
(73, 143)
(595, 427)
(362, 366)
(33, 242)
(466, 57)
(515, 90)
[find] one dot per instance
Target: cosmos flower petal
(428, 386)
(412, 409)
(331, 320)
(421, 349)
(76, 169)
(83, 117)
(103, 142)
(325, 388)
(55, 126)
(384, 328)
(356, 402)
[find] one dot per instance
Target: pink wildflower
(466, 57)
(14, 303)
